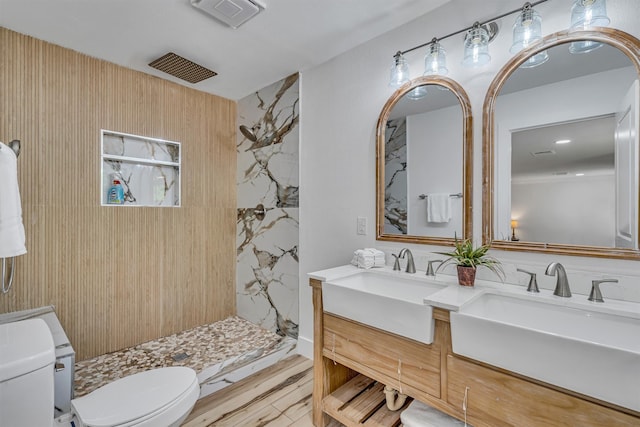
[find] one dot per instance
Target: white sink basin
(391, 302)
(574, 346)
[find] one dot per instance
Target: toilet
(158, 397)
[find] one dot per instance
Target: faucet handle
(533, 283)
(596, 295)
(430, 266)
(396, 263)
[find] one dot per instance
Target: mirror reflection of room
(563, 145)
(423, 165)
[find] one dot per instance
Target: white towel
(11, 227)
(438, 207)
(368, 258)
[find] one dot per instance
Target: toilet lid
(133, 397)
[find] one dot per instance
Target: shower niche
(147, 171)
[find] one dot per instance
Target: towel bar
(6, 286)
(456, 195)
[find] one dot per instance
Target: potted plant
(467, 259)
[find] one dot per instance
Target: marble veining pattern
(395, 197)
(267, 248)
(268, 165)
(267, 274)
(140, 148)
(221, 345)
(145, 180)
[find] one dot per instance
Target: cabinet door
(497, 399)
(393, 360)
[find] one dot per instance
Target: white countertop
(454, 296)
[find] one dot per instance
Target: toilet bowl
(158, 397)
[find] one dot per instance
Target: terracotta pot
(466, 275)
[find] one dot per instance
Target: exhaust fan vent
(182, 68)
(543, 153)
(232, 12)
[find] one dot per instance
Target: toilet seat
(140, 398)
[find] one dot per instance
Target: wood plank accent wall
(117, 276)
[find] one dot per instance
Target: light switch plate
(362, 225)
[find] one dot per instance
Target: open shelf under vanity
(361, 402)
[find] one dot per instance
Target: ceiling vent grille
(543, 153)
(182, 68)
(232, 12)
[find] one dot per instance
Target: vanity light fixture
(399, 71)
(476, 48)
(586, 14)
(435, 62)
(527, 30)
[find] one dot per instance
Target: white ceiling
(535, 155)
(288, 36)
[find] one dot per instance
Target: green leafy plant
(465, 255)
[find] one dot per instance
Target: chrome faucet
(533, 284)
(562, 284)
(430, 271)
(411, 267)
(396, 263)
(596, 295)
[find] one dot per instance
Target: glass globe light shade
(435, 62)
(589, 13)
(476, 47)
(526, 30)
(584, 46)
(535, 60)
(418, 92)
(584, 15)
(399, 71)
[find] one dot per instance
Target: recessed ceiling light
(563, 141)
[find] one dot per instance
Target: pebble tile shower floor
(197, 348)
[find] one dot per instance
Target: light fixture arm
(480, 24)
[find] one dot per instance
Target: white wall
(340, 103)
(564, 209)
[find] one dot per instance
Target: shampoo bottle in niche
(115, 196)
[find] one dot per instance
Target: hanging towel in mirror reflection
(438, 207)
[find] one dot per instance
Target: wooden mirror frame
(630, 46)
(467, 162)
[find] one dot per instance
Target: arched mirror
(423, 163)
(560, 148)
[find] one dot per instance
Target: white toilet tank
(27, 355)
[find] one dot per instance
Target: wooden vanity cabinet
(496, 398)
(397, 362)
(434, 375)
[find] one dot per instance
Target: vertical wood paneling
(117, 276)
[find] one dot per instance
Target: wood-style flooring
(279, 396)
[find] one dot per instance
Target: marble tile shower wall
(267, 245)
(395, 193)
